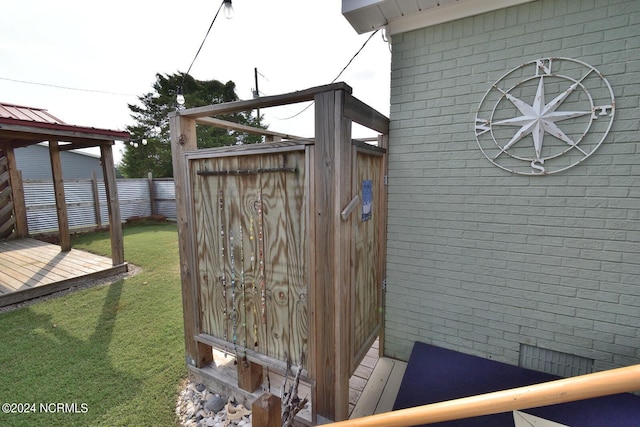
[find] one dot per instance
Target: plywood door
(250, 230)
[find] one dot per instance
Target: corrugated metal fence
(87, 202)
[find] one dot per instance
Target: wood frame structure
(24, 126)
(331, 158)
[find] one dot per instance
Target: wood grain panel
(207, 251)
(285, 248)
(265, 214)
(366, 290)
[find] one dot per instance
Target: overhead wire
(354, 56)
(119, 93)
(204, 40)
(66, 87)
(189, 70)
(336, 78)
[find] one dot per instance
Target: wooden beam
(224, 124)
(113, 204)
(342, 257)
(330, 303)
(321, 361)
(363, 114)
(64, 133)
(96, 198)
(249, 375)
(183, 139)
(267, 411)
(382, 224)
(272, 364)
(21, 140)
(17, 189)
(152, 193)
(26, 139)
(369, 148)
(272, 138)
(261, 102)
(64, 234)
(251, 149)
(75, 145)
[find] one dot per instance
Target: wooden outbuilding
(282, 246)
(24, 126)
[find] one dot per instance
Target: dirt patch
(145, 219)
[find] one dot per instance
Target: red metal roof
(18, 112)
(41, 119)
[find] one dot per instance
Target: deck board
(374, 385)
(31, 268)
(381, 390)
(359, 379)
(390, 391)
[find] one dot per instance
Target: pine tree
(150, 146)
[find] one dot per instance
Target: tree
(150, 146)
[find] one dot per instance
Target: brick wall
(481, 260)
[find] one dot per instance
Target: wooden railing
(550, 393)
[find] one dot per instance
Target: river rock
(215, 404)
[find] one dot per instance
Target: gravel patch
(197, 406)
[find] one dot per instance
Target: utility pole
(256, 93)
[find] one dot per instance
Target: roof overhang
(22, 126)
(46, 131)
(400, 16)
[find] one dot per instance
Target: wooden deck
(31, 268)
(374, 386)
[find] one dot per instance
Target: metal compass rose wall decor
(545, 116)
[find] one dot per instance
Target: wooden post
(266, 411)
(64, 234)
(183, 139)
(17, 190)
(382, 223)
(96, 198)
(152, 195)
(249, 375)
(115, 221)
(331, 258)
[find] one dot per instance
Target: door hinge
(386, 180)
(384, 284)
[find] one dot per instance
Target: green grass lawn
(118, 349)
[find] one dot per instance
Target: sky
(113, 50)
